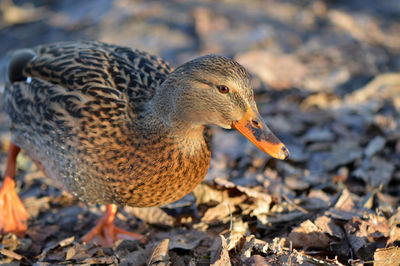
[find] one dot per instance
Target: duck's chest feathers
(147, 170)
(167, 172)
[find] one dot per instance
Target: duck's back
(98, 68)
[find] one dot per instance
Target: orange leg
(106, 233)
(13, 215)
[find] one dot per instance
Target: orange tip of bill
(253, 127)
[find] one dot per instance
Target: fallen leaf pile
(327, 81)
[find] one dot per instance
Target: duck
(117, 126)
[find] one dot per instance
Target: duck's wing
(64, 89)
(99, 69)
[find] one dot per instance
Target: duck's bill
(253, 127)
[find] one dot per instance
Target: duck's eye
(222, 88)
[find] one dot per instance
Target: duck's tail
(15, 70)
(18, 61)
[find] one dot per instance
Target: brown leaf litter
(326, 76)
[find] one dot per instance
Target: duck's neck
(162, 115)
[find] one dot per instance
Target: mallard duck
(119, 126)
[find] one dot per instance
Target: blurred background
(325, 72)
(308, 44)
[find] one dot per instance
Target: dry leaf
(387, 256)
(188, 241)
(70, 253)
(153, 215)
(309, 235)
(10, 254)
(218, 212)
(394, 235)
(382, 87)
(345, 201)
(160, 254)
(205, 195)
(219, 253)
(328, 225)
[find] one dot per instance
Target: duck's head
(216, 90)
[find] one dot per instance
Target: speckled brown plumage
(115, 125)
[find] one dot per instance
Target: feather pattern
(83, 117)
